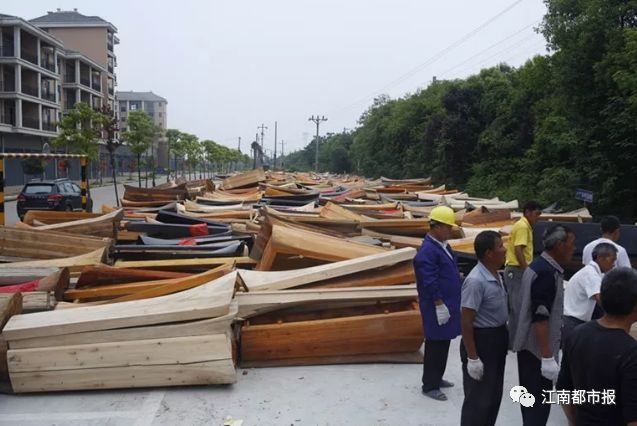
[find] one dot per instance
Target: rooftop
(72, 18)
(139, 96)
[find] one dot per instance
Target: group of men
(531, 312)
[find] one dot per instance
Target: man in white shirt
(610, 234)
(582, 291)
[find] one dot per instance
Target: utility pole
(282, 153)
(239, 149)
(262, 127)
(274, 165)
(317, 120)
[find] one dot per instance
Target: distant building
(153, 105)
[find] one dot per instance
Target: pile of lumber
(177, 339)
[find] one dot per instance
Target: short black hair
(619, 291)
(603, 249)
(609, 224)
(531, 206)
(485, 240)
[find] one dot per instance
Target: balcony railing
(69, 78)
(30, 122)
(109, 45)
(110, 68)
(7, 118)
(7, 85)
(51, 127)
(29, 89)
(69, 104)
(29, 56)
(97, 85)
(48, 95)
(111, 91)
(6, 49)
(48, 62)
(85, 81)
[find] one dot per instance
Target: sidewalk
(11, 192)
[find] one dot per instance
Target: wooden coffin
(245, 179)
(105, 225)
(37, 244)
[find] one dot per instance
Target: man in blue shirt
(438, 283)
(485, 337)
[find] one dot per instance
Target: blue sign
(584, 195)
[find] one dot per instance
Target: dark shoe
(436, 394)
(446, 384)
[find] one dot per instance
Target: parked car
(58, 194)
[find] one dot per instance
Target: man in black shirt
(601, 356)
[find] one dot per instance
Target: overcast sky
(226, 67)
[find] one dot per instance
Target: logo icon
(521, 395)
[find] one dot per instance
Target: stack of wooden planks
(176, 339)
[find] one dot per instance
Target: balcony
(48, 63)
(110, 68)
(29, 56)
(7, 85)
(7, 112)
(6, 49)
(48, 95)
(85, 81)
(51, 127)
(29, 89)
(31, 122)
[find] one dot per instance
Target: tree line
(561, 121)
(83, 128)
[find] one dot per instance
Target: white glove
(475, 368)
(550, 369)
(442, 313)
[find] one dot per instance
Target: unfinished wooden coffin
(176, 361)
(206, 301)
(25, 244)
(306, 341)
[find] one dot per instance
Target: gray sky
(225, 67)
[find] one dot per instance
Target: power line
(509, 37)
(437, 56)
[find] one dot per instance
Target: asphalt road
(101, 195)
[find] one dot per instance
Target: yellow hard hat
(443, 214)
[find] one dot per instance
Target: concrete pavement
(373, 394)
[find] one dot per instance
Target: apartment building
(153, 105)
(91, 36)
(42, 75)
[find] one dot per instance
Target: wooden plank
(402, 273)
(206, 301)
(10, 305)
(203, 373)
(189, 328)
(174, 287)
(74, 263)
(37, 301)
(249, 178)
(176, 350)
(121, 290)
(364, 334)
(315, 246)
(334, 211)
(104, 274)
(35, 244)
(185, 264)
(389, 358)
(281, 280)
(259, 302)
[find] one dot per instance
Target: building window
(123, 129)
(133, 107)
(160, 114)
(122, 107)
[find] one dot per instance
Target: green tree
(80, 131)
(139, 136)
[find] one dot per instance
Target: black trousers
(568, 324)
(482, 398)
(434, 363)
(531, 378)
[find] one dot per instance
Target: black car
(58, 194)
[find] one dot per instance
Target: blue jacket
(437, 277)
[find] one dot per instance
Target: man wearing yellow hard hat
(439, 288)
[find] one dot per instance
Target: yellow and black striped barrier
(19, 155)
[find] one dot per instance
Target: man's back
(623, 261)
(597, 358)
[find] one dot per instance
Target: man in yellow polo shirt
(519, 255)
